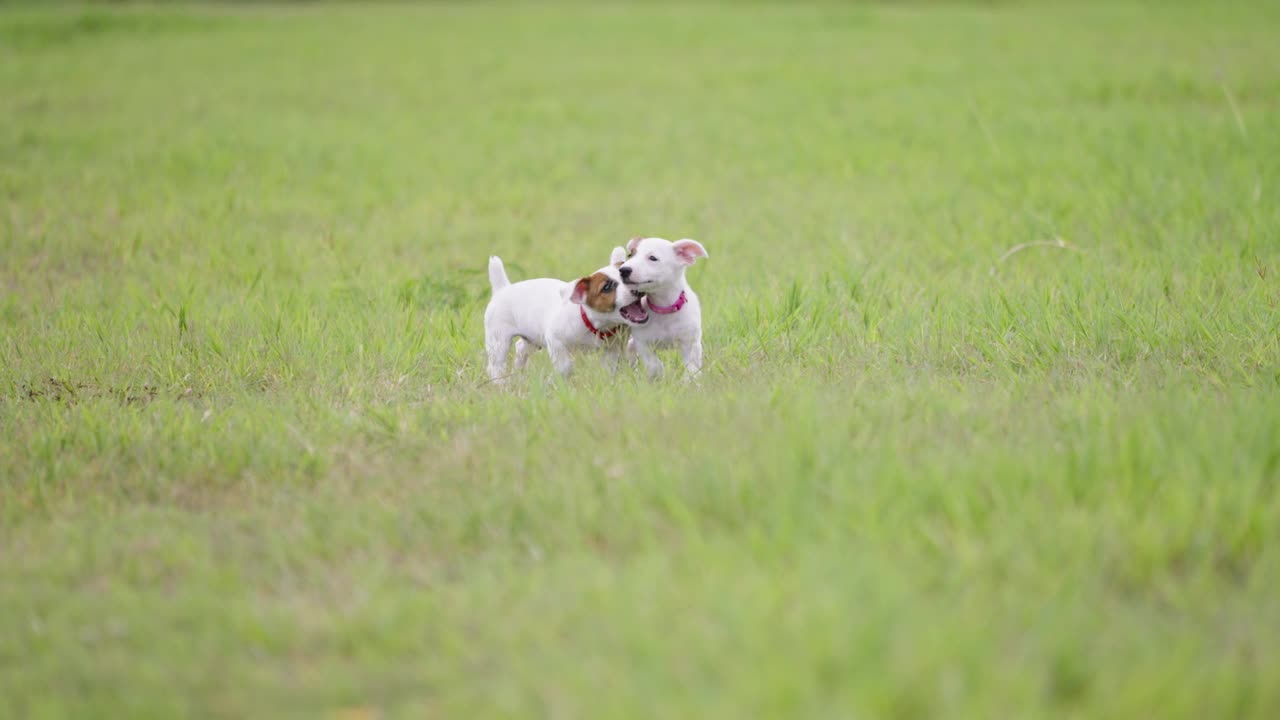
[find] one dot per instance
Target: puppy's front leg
(561, 359)
(650, 359)
(630, 353)
(691, 351)
(610, 357)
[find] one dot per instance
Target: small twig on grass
(1235, 110)
(991, 140)
(302, 439)
(1056, 242)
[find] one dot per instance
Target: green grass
(250, 465)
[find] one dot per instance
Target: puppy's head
(654, 262)
(604, 292)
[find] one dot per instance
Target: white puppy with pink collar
(656, 267)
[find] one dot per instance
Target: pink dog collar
(668, 310)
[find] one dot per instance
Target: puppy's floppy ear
(688, 251)
(577, 292)
(617, 257)
(631, 245)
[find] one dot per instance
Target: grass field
(250, 465)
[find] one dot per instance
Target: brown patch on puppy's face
(602, 293)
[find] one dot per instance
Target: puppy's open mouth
(635, 313)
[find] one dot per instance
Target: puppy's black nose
(625, 272)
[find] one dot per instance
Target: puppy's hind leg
(524, 350)
(496, 346)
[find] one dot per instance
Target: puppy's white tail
(497, 274)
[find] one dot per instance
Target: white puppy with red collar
(560, 316)
(655, 268)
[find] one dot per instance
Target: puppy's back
(528, 303)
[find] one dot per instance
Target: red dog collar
(602, 334)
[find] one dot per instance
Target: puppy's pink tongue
(635, 313)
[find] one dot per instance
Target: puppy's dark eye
(653, 258)
(609, 286)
